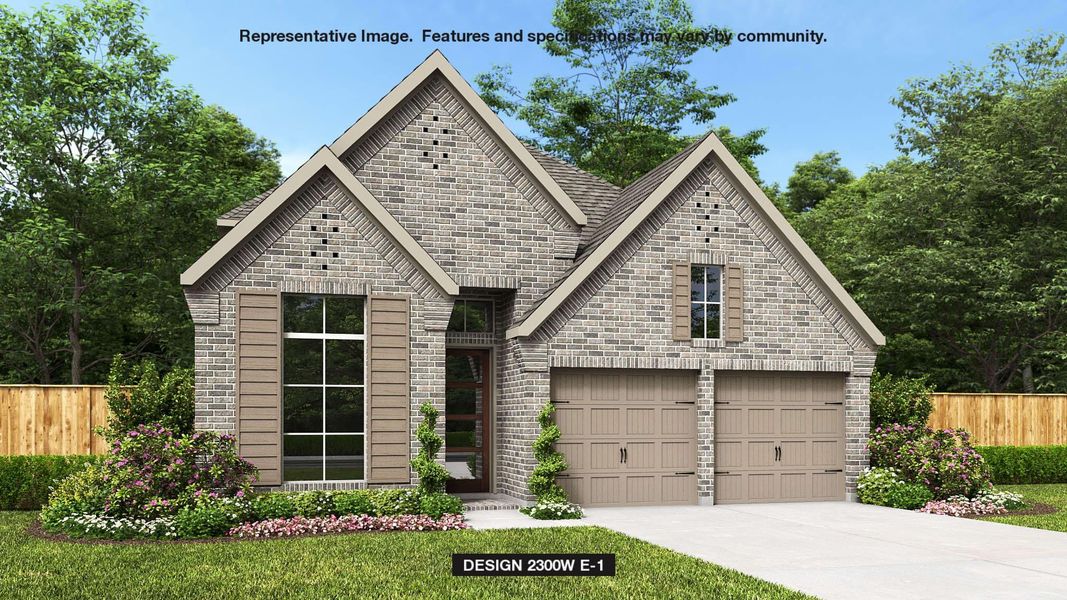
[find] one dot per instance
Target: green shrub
(1026, 464)
(273, 505)
(875, 484)
(885, 487)
(138, 395)
(550, 462)
(353, 502)
(909, 496)
(436, 505)
(313, 503)
(211, 517)
(899, 400)
(83, 492)
(26, 481)
(432, 476)
(389, 503)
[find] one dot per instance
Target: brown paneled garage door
(629, 435)
(779, 437)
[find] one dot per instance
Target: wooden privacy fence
(51, 419)
(1004, 419)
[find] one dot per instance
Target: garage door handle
(620, 456)
(685, 472)
(833, 470)
(685, 402)
(625, 455)
(833, 403)
(559, 401)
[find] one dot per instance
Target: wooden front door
(468, 397)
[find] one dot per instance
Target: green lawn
(379, 565)
(1050, 493)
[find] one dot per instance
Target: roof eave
(785, 232)
(322, 159)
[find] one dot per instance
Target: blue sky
(834, 96)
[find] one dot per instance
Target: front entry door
(467, 430)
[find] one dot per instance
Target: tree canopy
(957, 249)
(619, 113)
(110, 181)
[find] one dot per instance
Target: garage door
(779, 437)
(629, 435)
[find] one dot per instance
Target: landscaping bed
(1053, 496)
(384, 565)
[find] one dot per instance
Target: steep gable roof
(324, 159)
(642, 197)
(437, 63)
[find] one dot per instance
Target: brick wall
(622, 316)
(496, 233)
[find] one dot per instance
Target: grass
(380, 565)
(1049, 493)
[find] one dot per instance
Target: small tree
(550, 462)
(432, 476)
(138, 396)
(903, 400)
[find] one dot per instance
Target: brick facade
(471, 206)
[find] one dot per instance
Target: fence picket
(1004, 419)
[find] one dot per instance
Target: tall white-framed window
(706, 297)
(323, 416)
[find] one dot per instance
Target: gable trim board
(437, 63)
(323, 159)
(710, 145)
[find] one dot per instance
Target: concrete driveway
(847, 550)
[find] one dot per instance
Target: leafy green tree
(95, 141)
(619, 113)
(957, 250)
(814, 180)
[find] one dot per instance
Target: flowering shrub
(115, 528)
(313, 503)
(884, 487)
(874, 485)
(553, 511)
(318, 525)
(1009, 500)
(943, 460)
(986, 502)
(152, 472)
(211, 517)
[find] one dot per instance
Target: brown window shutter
(735, 304)
(680, 326)
(259, 382)
(389, 390)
